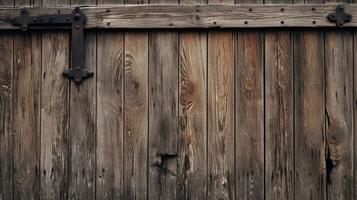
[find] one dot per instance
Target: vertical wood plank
(82, 132)
(339, 128)
(192, 170)
(54, 113)
(221, 115)
(355, 110)
(26, 119)
(110, 115)
(54, 116)
(6, 133)
(136, 115)
(279, 115)
(163, 112)
(309, 112)
(26, 112)
(249, 116)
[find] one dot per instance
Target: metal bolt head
(76, 16)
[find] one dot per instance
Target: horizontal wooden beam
(195, 16)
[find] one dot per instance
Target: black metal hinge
(339, 16)
(76, 20)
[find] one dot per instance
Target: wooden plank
(355, 112)
(339, 114)
(196, 16)
(6, 133)
(309, 116)
(110, 79)
(54, 116)
(221, 154)
(26, 119)
(192, 167)
(82, 126)
(249, 116)
(279, 116)
(163, 115)
(136, 115)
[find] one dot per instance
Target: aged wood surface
(309, 116)
(196, 16)
(136, 115)
(249, 116)
(110, 102)
(355, 110)
(339, 115)
(192, 171)
(6, 133)
(220, 100)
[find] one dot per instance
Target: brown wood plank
(163, 113)
(6, 133)
(110, 77)
(339, 114)
(26, 119)
(196, 16)
(355, 111)
(192, 167)
(309, 116)
(54, 116)
(279, 116)
(136, 115)
(249, 116)
(82, 126)
(221, 156)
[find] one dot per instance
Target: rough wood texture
(249, 116)
(163, 107)
(196, 16)
(26, 119)
(136, 115)
(221, 168)
(192, 171)
(355, 111)
(110, 79)
(339, 114)
(279, 116)
(309, 116)
(6, 133)
(54, 116)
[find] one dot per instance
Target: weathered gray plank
(249, 116)
(196, 16)
(339, 132)
(82, 132)
(136, 115)
(192, 167)
(54, 116)
(6, 133)
(355, 112)
(26, 119)
(279, 116)
(163, 115)
(309, 116)
(221, 154)
(110, 77)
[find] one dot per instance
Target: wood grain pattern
(54, 116)
(221, 168)
(136, 115)
(192, 167)
(6, 133)
(163, 115)
(279, 116)
(26, 119)
(339, 132)
(196, 16)
(249, 116)
(309, 117)
(110, 102)
(355, 112)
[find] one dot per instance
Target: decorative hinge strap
(339, 16)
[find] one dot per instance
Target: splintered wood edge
(147, 16)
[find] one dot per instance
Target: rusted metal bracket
(76, 20)
(339, 16)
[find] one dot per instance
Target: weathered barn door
(192, 101)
